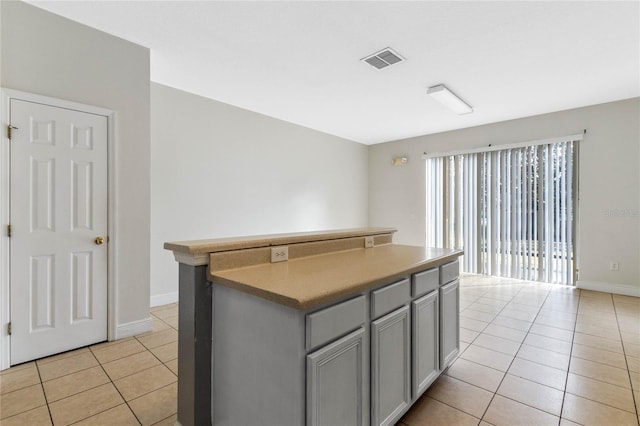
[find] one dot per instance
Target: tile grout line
(607, 365)
(139, 396)
(573, 336)
(46, 401)
(176, 413)
(599, 348)
(112, 384)
(482, 418)
(594, 379)
(122, 396)
(449, 405)
(125, 402)
(161, 363)
(505, 372)
(626, 362)
(568, 365)
(92, 351)
(567, 371)
(513, 359)
(41, 383)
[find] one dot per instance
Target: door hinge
(9, 231)
(10, 129)
(9, 329)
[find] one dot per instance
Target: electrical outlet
(614, 266)
(368, 242)
(279, 254)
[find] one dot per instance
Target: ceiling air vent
(383, 58)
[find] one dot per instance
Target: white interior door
(58, 212)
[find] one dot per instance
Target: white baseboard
(163, 299)
(133, 328)
(623, 289)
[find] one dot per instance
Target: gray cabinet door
(449, 323)
(390, 367)
(425, 346)
(336, 383)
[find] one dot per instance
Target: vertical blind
(511, 210)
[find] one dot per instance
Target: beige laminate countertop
(309, 282)
(239, 243)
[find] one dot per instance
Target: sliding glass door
(512, 210)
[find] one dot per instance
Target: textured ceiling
(299, 61)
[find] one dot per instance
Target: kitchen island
(321, 328)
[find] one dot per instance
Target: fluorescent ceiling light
(449, 99)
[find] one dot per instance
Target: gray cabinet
(361, 360)
(449, 323)
(425, 353)
(390, 367)
(336, 377)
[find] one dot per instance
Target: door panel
(82, 285)
(41, 288)
(58, 277)
(82, 190)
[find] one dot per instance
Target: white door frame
(6, 95)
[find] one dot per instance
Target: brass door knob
(99, 240)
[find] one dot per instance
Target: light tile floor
(531, 353)
(538, 354)
(131, 381)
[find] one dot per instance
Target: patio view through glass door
(513, 211)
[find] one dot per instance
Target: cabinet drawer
(425, 281)
(332, 322)
(390, 297)
(449, 272)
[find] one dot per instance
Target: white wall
(45, 54)
(219, 171)
(609, 184)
